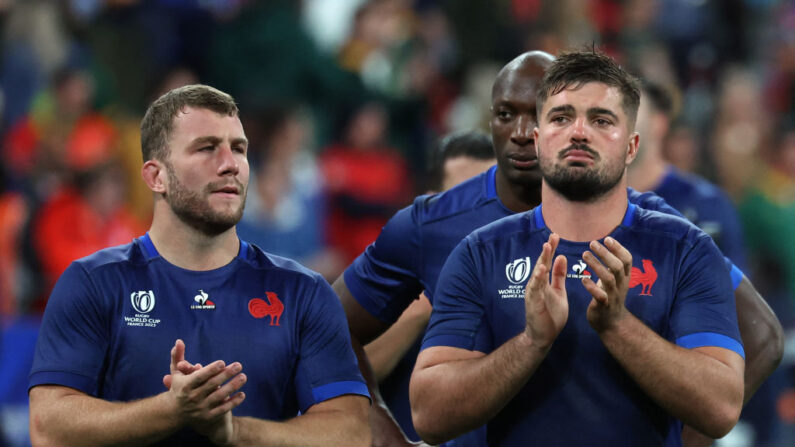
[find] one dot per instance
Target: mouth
(523, 161)
(227, 191)
(582, 154)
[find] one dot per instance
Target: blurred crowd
(342, 101)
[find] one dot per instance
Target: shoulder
(505, 228)
(259, 259)
(667, 226)
(121, 255)
(697, 187)
(467, 196)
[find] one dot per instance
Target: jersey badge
(517, 272)
(143, 302)
(273, 307)
(643, 277)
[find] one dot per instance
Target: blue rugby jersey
(114, 316)
(708, 207)
(580, 395)
(411, 250)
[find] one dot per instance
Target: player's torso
(236, 313)
(578, 379)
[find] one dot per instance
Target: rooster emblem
(644, 278)
(258, 308)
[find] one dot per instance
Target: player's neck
(646, 173)
(184, 246)
(517, 197)
(584, 221)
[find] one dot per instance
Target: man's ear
(632, 148)
(154, 175)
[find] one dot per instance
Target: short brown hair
(158, 121)
(576, 68)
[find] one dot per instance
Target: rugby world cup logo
(143, 301)
(519, 270)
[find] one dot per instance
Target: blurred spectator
(83, 216)
(768, 212)
(286, 213)
(367, 181)
(698, 200)
(740, 128)
(14, 215)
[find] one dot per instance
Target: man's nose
(579, 130)
(228, 162)
(522, 133)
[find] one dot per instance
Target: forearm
(451, 396)
(385, 430)
(763, 337)
(326, 428)
(385, 352)
(81, 420)
(696, 388)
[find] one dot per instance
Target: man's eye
(504, 115)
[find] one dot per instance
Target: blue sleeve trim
(701, 339)
(336, 389)
(76, 381)
(737, 276)
(455, 341)
(361, 297)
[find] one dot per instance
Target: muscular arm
(61, 415)
(702, 387)
(763, 340)
(341, 421)
(454, 390)
(364, 328)
(385, 352)
(64, 416)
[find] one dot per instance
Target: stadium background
(343, 101)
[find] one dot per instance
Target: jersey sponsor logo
(519, 270)
(143, 301)
(645, 277)
(579, 270)
(203, 301)
(259, 308)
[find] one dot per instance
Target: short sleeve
(385, 278)
(457, 319)
(326, 367)
(74, 336)
(704, 312)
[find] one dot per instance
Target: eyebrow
(567, 108)
(215, 140)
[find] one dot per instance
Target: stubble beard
(580, 183)
(194, 209)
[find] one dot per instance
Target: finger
(199, 379)
(609, 259)
(559, 273)
(229, 404)
(223, 392)
(596, 292)
(545, 256)
(596, 266)
(167, 381)
(621, 253)
(213, 383)
(177, 354)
